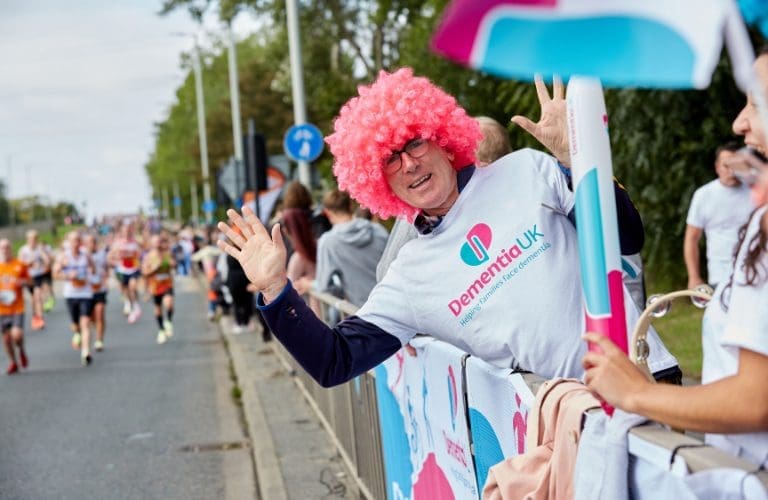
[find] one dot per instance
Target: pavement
(144, 421)
(293, 454)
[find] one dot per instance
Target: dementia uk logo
(510, 261)
(475, 251)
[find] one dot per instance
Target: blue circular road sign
(303, 142)
(209, 206)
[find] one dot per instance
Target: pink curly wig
(396, 108)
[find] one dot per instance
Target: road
(143, 421)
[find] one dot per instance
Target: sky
(81, 84)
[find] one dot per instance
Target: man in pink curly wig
(398, 108)
(494, 269)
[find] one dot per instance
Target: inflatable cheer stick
(597, 228)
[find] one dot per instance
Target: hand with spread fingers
(552, 128)
(610, 373)
(262, 256)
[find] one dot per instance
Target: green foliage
(663, 145)
(663, 141)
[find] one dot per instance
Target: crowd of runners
(141, 256)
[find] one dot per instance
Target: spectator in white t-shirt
(718, 209)
(494, 270)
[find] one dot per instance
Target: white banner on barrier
(424, 429)
(498, 414)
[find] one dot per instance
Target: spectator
(350, 250)
(302, 263)
(718, 209)
(732, 404)
(494, 270)
(298, 196)
(495, 142)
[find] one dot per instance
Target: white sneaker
(98, 345)
(168, 327)
(76, 341)
(135, 314)
(237, 329)
(161, 338)
(126, 307)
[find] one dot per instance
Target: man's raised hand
(262, 256)
(552, 128)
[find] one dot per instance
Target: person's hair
(756, 246)
(297, 196)
(495, 142)
(363, 213)
(395, 109)
(299, 229)
(731, 146)
(339, 202)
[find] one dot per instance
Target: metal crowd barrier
(350, 415)
(348, 412)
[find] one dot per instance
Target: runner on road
(37, 257)
(157, 268)
(75, 267)
(125, 256)
(99, 285)
(13, 277)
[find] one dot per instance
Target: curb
(269, 477)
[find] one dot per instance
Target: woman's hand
(261, 256)
(552, 128)
(611, 375)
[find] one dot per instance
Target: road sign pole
(193, 197)
(176, 201)
(297, 79)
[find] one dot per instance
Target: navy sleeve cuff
(261, 306)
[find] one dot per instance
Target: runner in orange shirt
(157, 268)
(13, 278)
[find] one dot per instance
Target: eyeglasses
(415, 148)
(747, 165)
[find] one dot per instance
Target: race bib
(130, 262)
(7, 297)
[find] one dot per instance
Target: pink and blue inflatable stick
(597, 228)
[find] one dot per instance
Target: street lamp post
(234, 97)
(193, 198)
(11, 214)
(201, 132)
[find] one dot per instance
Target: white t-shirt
(100, 270)
(743, 326)
(34, 258)
(78, 287)
(499, 277)
(128, 256)
(720, 211)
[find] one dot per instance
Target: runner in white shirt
(38, 259)
(75, 267)
(125, 256)
(718, 209)
(99, 284)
